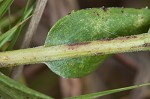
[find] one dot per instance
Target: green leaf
(9, 89)
(4, 6)
(89, 25)
(1, 0)
(26, 13)
(8, 36)
(4, 22)
(103, 93)
(13, 33)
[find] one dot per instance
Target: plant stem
(38, 12)
(101, 47)
(40, 6)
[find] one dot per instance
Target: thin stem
(40, 6)
(34, 23)
(42, 54)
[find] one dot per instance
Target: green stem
(42, 54)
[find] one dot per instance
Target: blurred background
(119, 70)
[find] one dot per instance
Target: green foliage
(13, 34)
(80, 26)
(103, 93)
(4, 6)
(89, 25)
(5, 21)
(1, 0)
(9, 35)
(27, 12)
(9, 89)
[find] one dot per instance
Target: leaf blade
(9, 87)
(4, 6)
(89, 25)
(103, 93)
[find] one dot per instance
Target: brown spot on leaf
(82, 43)
(98, 53)
(120, 38)
(108, 39)
(76, 45)
(133, 36)
(146, 44)
(127, 37)
(104, 9)
(97, 14)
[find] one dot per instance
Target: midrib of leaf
(42, 54)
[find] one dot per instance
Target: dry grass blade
(40, 6)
